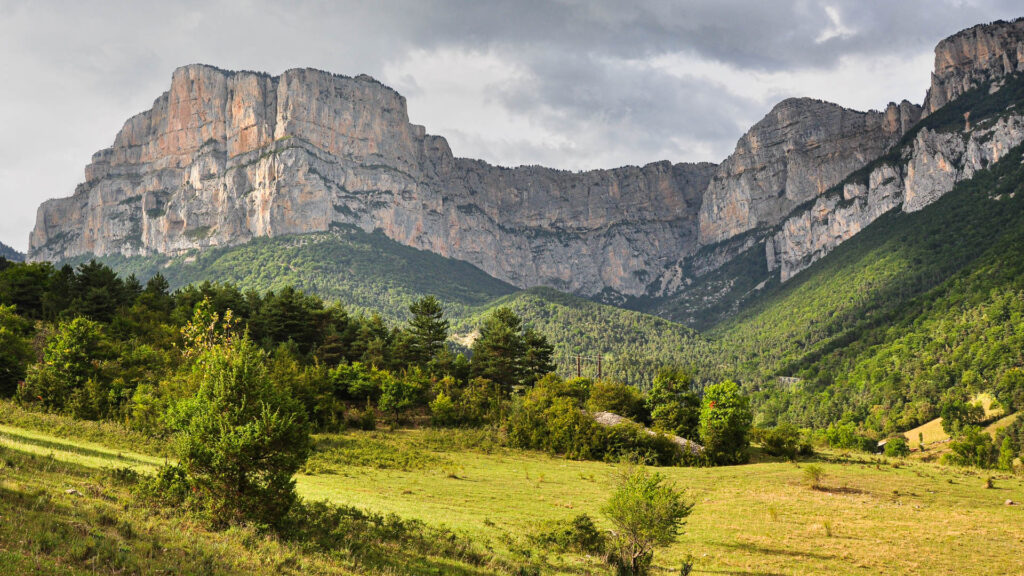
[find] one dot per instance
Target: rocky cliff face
(972, 56)
(223, 157)
(799, 150)
(931, 167)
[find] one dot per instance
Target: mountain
(877, 331)
(10, 253)
(319, 180)
(949, 145)
(224, 157)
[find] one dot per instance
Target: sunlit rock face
(799, 150)
(223, 157)
(973, 56)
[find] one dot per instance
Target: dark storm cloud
(571, 83)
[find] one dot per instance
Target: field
(871, 516)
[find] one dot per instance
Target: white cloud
(835, 29)
(455, 93)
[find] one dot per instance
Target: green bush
(845, 436)
(442, 411)
(630, 442)
(673, 404)
(618, 398)
(972, 447)
(241, 437)
(647, 513)
(897, 447)
(725, 420)
(15, 352)
(70, 360)
(784, 440)
(578, 535)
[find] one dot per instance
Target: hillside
(633, 346)
(912, 306)
(10, 253)
(368, 273)
(371, 274)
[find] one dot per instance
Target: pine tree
(428, 330)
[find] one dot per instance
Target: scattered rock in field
(72, 492)
(609, 419)
(1010, 503)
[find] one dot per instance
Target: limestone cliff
(928, 169)
(973, 56)
(223, 157)
(799, 150)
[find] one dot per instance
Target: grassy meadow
(871, 515)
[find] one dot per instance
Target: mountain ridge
(224, 157)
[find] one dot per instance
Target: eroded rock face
(223, 157)
(936, 162)
(799, 150)
(973, 56)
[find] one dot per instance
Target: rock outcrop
(799, 150)
(223, 157)
(930, 168)
(973, 56)
(610, 419)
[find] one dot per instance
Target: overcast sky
(571, 84)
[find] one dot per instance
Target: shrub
(619, 399)
(442, 411)
(578, 535)
(15, 352)
(365, 419)
(725, 419)
(646, 513)
(972, 447)
(897, 447)
(674, 406)
(784, 440)
(845, 436)
(813, 476)
(630, 442)
(241, 437)
(70, 360)
(398, 394)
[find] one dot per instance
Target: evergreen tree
(674, 406)
(537, 357)
(241, 437)
(428, 330)
(498, 351)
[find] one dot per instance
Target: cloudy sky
(572, 83)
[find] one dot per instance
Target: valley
(281, 329)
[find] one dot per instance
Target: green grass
(755, 519)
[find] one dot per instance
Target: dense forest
(88, 343)
(372, 275)
(914, 308)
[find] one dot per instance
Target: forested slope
(913, 306)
